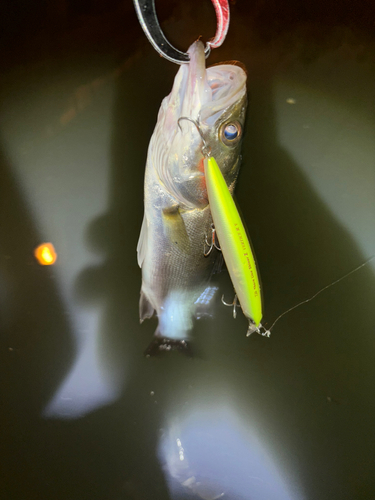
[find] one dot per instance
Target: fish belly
(175, 271)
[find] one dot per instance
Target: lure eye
(230, 133)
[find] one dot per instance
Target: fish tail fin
(161, 344)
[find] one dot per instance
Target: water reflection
(88, 384)
(216, 454)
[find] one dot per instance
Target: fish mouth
(201, 95)
(228, 86)
(205, 93)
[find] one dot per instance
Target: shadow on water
(41, 459)
(36, 341)
(108, 453)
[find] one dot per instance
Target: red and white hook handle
(222, 16)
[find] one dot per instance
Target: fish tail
(161, 344)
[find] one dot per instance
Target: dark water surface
(83, 414)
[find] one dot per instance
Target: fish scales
(177, 217)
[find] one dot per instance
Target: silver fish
(175, 272)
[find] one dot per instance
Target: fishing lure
(235, 245)
(234, 242)
(237, 251)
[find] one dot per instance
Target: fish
(177, 217)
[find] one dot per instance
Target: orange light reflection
(45, 254)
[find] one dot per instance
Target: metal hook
(148, 20)
(252, 326)
(212, 244)
(206, 150)
(234, 304)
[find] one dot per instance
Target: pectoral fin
(142, 242)
(175, 229)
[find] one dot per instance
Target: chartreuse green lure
(235, 245)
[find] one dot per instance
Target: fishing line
(267, 333)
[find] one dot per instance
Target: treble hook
(252, 326)
(148, 20)
(213, 243)
(234, 304)
(206, 150)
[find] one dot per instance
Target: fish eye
(230, 133)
